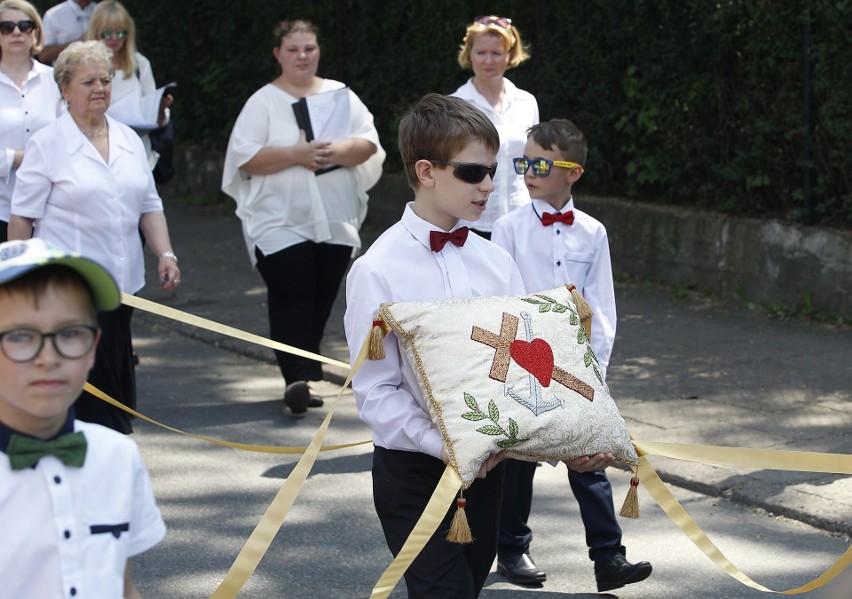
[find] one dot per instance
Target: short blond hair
(77, 54)
(32, 13)
(509, 36)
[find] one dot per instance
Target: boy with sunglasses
(448, 148)
(553, 244)
(75, 498)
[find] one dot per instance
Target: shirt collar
(6, 432)
(540, 207)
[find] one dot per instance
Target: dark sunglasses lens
(521, 165)
(471, 173)
(7, 27)
(26, 26)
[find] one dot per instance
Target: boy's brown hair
(563, 134)
(439, 127)
(35, 283)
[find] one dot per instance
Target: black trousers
(4, 231)
(302, 282)
(403, 482)
(594, 498)
(113, 373)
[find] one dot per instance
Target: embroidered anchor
(533, 355)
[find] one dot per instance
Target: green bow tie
(27, 451)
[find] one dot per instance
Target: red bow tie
(548, 218)
(438, 239)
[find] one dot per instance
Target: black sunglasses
(470, 172)
(7, 27)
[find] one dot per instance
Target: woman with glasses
(85, 185)
(113, 25)
(492, 45)
(29, 98)
(301, 202)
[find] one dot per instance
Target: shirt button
(73, 591)
(558, 231)
(558, 263)
(67, 534)
(57, 479)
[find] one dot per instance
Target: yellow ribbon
(658, 490)
(211, 325)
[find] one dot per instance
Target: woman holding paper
(134, 79)
(29, 99)
(86, 186)
(301, 218)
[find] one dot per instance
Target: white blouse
(140, 84)
(519, 113)
(293, 205)
(84, 204)
(23, 111)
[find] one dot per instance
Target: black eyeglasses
(470, 172)
(7, 27)
(107, 33)
(541, 166)
(72, 342)
(486, 20)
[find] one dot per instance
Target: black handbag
(162, 142)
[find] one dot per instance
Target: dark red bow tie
(438, 239)
(549, 218)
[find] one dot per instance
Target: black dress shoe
(296, 397)
(315, 401)
(520, 569)
(620, 572)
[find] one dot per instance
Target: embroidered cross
(506, 348)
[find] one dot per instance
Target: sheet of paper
(140, 113)
(329, 113)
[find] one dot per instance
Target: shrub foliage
(736, 106)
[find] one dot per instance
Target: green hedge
(691, 102)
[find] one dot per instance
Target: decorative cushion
(510, 373)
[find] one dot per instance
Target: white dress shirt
(400, 266)
(85, 205)
(559, 254)
(60, 523)
(293, 205)
(519, 113)
(66, 22)
(23, 111)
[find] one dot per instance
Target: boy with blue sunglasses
(554, 244)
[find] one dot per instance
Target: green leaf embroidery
(474, 416)
(470, 401)
(493, 412)
(492, 430)
(513, 428)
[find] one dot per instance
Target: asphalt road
(331, 545)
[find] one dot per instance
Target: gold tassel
(630, 508)
(376, 349)
(584, 311)
(460, 529)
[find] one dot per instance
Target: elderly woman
(85, 185)
(300, 220)
(491, 46)
(113, 25)
(29, 99)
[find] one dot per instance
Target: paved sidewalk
(683, 371)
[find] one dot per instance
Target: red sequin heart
(535, 357)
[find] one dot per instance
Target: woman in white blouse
(113, 25)
(491, 46)
(86, 186)
(300, 221)
(29, 98)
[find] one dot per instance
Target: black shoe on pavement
(315, 401)
(620, 572)
(520, 569)
(296, 397)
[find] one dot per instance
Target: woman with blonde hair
(491, 46)
(112, 24)
(29, 99)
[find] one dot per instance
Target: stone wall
(732, 258)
